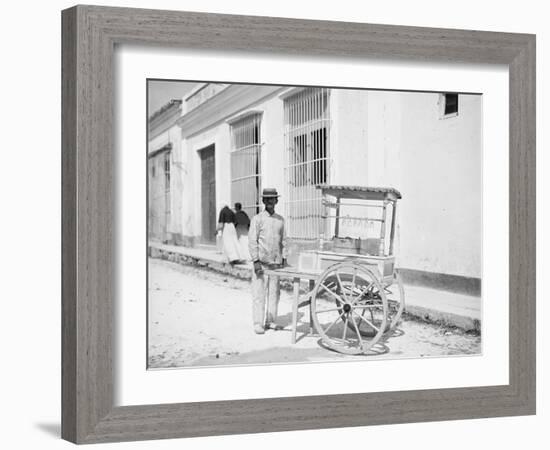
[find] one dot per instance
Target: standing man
(267, 246)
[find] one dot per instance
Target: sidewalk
(204, 256)
(433, 305)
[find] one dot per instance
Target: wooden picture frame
(89, 37)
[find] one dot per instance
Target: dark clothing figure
(226, 215)
(242, 222)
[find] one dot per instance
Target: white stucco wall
(436, 164)
(377, 138)
(273, 146)
(348, 144)
(440, 171)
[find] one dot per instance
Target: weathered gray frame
(89, 36)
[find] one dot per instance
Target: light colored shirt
(267, 238)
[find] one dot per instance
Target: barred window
(307, 128)
(246, 163)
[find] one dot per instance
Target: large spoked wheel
(395, 294)
(349, 308)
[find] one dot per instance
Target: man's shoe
(258, 329)
(273, 326)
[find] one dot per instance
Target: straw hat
(270, 193)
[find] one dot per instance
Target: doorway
(208, 194)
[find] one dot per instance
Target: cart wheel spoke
(352, 288)
(341, 286)
(329, 310)
(367, 321)
(333, 323)
(345, 327)
(357, 332)
(334, 294)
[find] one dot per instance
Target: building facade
(223, 143)
(163, 189)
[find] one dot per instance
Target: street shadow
(380, 348)
(302, 328)
(396, 332)
(286, 320)
(52, 429)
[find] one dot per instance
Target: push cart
(355, 293)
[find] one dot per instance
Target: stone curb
(444, 318)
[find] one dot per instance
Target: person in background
(226, 225)
(267, 246)
(242, 225)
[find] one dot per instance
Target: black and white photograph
(296, 224)
(277, 225)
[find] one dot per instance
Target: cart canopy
(360, 192)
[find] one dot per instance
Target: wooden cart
(355, 293)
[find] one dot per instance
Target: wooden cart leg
(295, 302)
(311, 286)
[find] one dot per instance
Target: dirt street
(199, 318)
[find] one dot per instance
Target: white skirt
(231, 245)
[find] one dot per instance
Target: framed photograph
(343, 229)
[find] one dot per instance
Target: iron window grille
(246, 152)
(307, 132)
